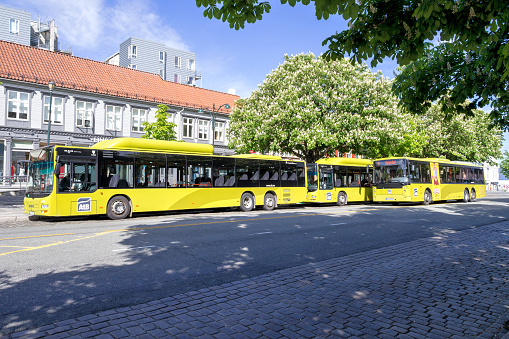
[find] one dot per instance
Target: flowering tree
(311, 107)
(458, 138)
(474, 66)
(161, 129)
(504, 165)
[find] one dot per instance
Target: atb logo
(84, 204)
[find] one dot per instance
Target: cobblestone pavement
(453, 285)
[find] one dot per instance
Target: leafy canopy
(161, 129)
(311, 107)
(476, 33)
(504, 164)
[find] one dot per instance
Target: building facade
(153, 57)
(93, 101)
(18, 27)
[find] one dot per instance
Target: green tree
(311, 107)
(161, 129)
(459, 138)
(504, 164)
(476, 32)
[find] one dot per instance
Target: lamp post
(51, 86)
(213, 114)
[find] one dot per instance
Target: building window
(139, 117)
(113, 117)
(18, 105)
(219, 131)
(187, 127)
(161, 73)
(57, 109)
(178, 62)
(189, 80)
(190, 64)
(84, 114)
(176, 78)
(161, 56)
(14, 26)
(203, 129)
(132, 66)
(133, 51)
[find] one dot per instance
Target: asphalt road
(55, 270)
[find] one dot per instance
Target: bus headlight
(44, 207)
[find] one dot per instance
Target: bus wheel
(118, 207)
(427, 197)
(472, 195)
(269, 202)
(342, 199)
(247, 202)
(466, 195)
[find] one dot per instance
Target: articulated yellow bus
(426, 180)
(122, 176)
(339, 180)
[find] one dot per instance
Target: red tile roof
(30, 64)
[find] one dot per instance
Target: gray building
(93, 101)
(153, 57)
(18, 27)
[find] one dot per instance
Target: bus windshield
(40, 173)
(391, 172)
(312, 171)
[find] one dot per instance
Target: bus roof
(138, 144)
(440, 160)
(345, 161)
(256, 156)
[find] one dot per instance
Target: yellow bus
(426, 180)
(122, 176)
(339, 180)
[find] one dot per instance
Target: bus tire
(342, 199)
(466, 195)
(473, 196)
(428, 198)
(269, 202)
(118, 207)
(247, 202)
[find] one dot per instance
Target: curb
(13, 193)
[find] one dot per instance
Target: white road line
(132, 248)
(341, 223)
(262, 233)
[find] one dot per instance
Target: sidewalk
(453, 285)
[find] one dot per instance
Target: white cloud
(99, 27)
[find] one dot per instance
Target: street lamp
(213, 114)
(51, 86)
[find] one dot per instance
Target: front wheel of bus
(118, 207)
(472, 195)
(342, 199)
(269, 202)
(466, 195)
(427, 197)
(247, 202)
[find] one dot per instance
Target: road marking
(341, 223)
(262, 233)
(38, 236)
(132, 248)
(178, 225)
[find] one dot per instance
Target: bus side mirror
(57, 169)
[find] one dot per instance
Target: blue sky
(226, 58)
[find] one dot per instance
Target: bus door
(326, 182)
(435, 178)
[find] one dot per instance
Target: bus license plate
(389, 198)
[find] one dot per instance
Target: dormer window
(14, 26)
(132, 51)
